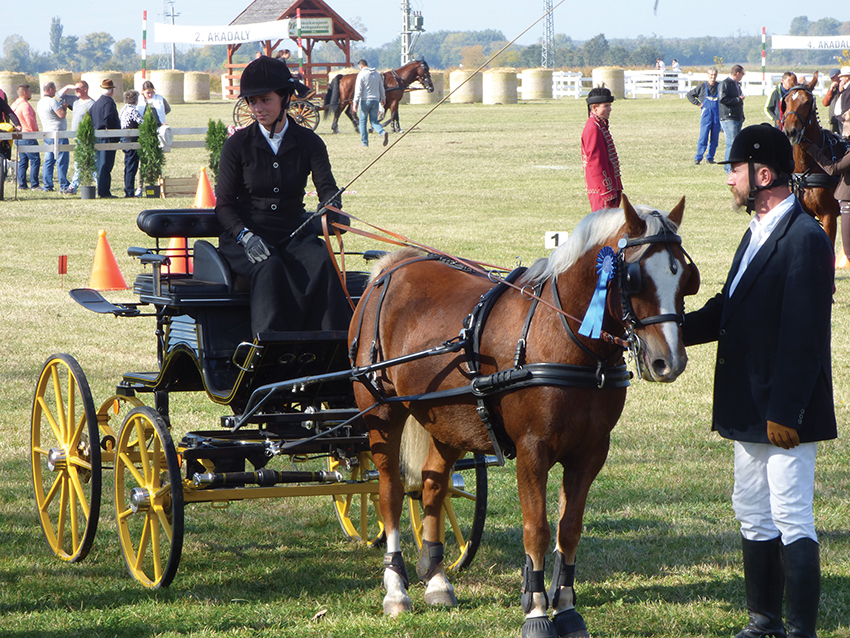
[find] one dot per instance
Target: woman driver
(260, 201)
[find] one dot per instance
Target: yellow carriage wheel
(65, 457)
(148, 498)
(304, 113)
(462, 517)
(359, 514)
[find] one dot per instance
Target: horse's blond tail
(415, 443)
(390, 259)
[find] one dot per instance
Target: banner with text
(230, 34)
(821, 43)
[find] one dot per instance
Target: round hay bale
(612, 78)
(169, 84)
(470, 92)
(59, 78)
(10, 82)
(426, 97)
(196, 86)
(537, 84)
(95, 78)
(499, 86)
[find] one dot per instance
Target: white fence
(49, 140)
(655, 83)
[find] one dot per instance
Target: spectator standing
(80, 104)
(773, 382)
(52, 112)
(705, 96)
(598, 155)
(104, 115)
(151, 98)
(773, 106)
(731, 99)
(29, 124)
(130, 119)
(659, 65)
(830, 99)
(675, 68)
(369, 99)
(842, 106)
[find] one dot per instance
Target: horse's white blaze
(657, 268)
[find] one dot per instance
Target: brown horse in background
(341, 92)
(416, 302)
(813, 187)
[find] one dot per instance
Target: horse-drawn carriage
(340, 95)
(442, 358)
(288, 400)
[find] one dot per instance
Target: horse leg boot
(801, 562)
(396, 581)
(429, 567)
(535, 603)
(764, 584)
(568, 622)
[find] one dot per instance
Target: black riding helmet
(763, 144)
(268, 75)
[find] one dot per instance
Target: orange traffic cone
(204, 195)
(181, 263)
(105, 274)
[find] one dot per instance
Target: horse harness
(603, 375)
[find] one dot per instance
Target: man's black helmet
(266, 75)
(763, 144)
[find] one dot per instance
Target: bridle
(630, 283)
(810, 119)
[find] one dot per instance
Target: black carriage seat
(208, 318)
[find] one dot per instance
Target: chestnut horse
(549, 395)
(341, 92)
(813, 187)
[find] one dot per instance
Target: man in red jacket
(598, 155)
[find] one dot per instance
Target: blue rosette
(606, 268)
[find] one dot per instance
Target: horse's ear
(675, 215)
(814, 82)
(693, 280)
(635, 226)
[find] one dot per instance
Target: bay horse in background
(540, 391)
(813, 187)
(341, 92)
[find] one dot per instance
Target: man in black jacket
(104, 115)
(773, 381)
(731, 108)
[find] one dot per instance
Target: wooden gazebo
(315, 74)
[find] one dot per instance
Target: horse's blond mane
(597, 228)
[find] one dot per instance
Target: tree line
(442, 49)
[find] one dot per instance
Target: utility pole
(173, 15)
(411, 27)
(548, 53)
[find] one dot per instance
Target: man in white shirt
(369, 98)
(51, 111)
(80, 104)
(773, 382)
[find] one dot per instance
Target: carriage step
(94, 301)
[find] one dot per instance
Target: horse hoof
(393, 608)
(539, 627)
(570, 624)
(441, 598)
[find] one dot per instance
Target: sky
(382, 18)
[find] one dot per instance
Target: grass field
(660, 554)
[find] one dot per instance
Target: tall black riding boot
(763, 579)
(801, 560)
